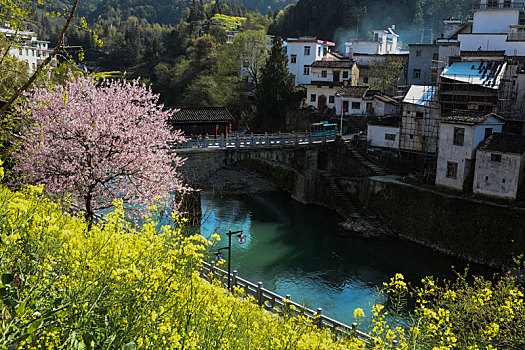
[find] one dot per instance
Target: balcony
(495, 5)
(516, 36)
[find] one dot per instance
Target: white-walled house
(460, 133)
(365, 63)
(385, 106)
(500, 161)
(352, 100)
(383, 133)
(326, 79)
(28, 49)
(302, 52)
(497, 25)
(381, 42)
(420, 126)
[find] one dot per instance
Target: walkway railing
(254, 140)
(275, 303)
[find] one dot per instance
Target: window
(435, 57)
(459, 136)
(306, 70)
(319, 51)
(331, 99)
(313, 98)
(390, 137)
(307, 50)
(418, 53)
(293, 59)
(365, 80)
(488, 132)
(419, 115)
(417, 73)
(345, 74)
(356, 105)
(452, 170)
(495, 157)
(20, 52)
(324, 74)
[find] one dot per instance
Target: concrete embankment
(475, 230)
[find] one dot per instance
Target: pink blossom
(99, 141)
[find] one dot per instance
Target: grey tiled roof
(467, 117)
(394, 122)
(333, 64)
(353, 91)
(504, 143)
(201, 115)
(480, 53)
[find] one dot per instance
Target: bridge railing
(252, 141)
(283, 305)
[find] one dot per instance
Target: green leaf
(20, 308)
(7, 278)
(129, 346)
(3, 292)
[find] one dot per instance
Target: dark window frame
(459, 137)
(452, 170)
(495, 157)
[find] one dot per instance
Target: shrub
(120, 287)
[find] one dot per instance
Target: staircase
(378, 170)
(346, 207)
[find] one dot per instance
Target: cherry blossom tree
(99, 141)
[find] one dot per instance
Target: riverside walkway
(253, 141)
(273, 302)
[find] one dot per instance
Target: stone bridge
(253, 141)
(293, 167)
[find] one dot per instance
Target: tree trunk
(89, 214)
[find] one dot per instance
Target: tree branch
(45, 63)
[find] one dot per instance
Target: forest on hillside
(169, 12)
(179, 46)
(339, 19)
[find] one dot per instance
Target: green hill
(338, 19)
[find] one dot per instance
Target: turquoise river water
(295, 249)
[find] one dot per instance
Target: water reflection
(295, 249)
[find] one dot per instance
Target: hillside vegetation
(340, 19)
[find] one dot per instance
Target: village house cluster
(28, 49)
(459, 100)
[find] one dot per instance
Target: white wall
(496, 21)
(297, 69)
(318, 91)
(382, 108)
(445, 52)
(497, 179)
(419, 134)
(316, 74)
(351, 111)
(448, 152)
(376, 136)
(491, 42)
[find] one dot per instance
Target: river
(295, 249)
